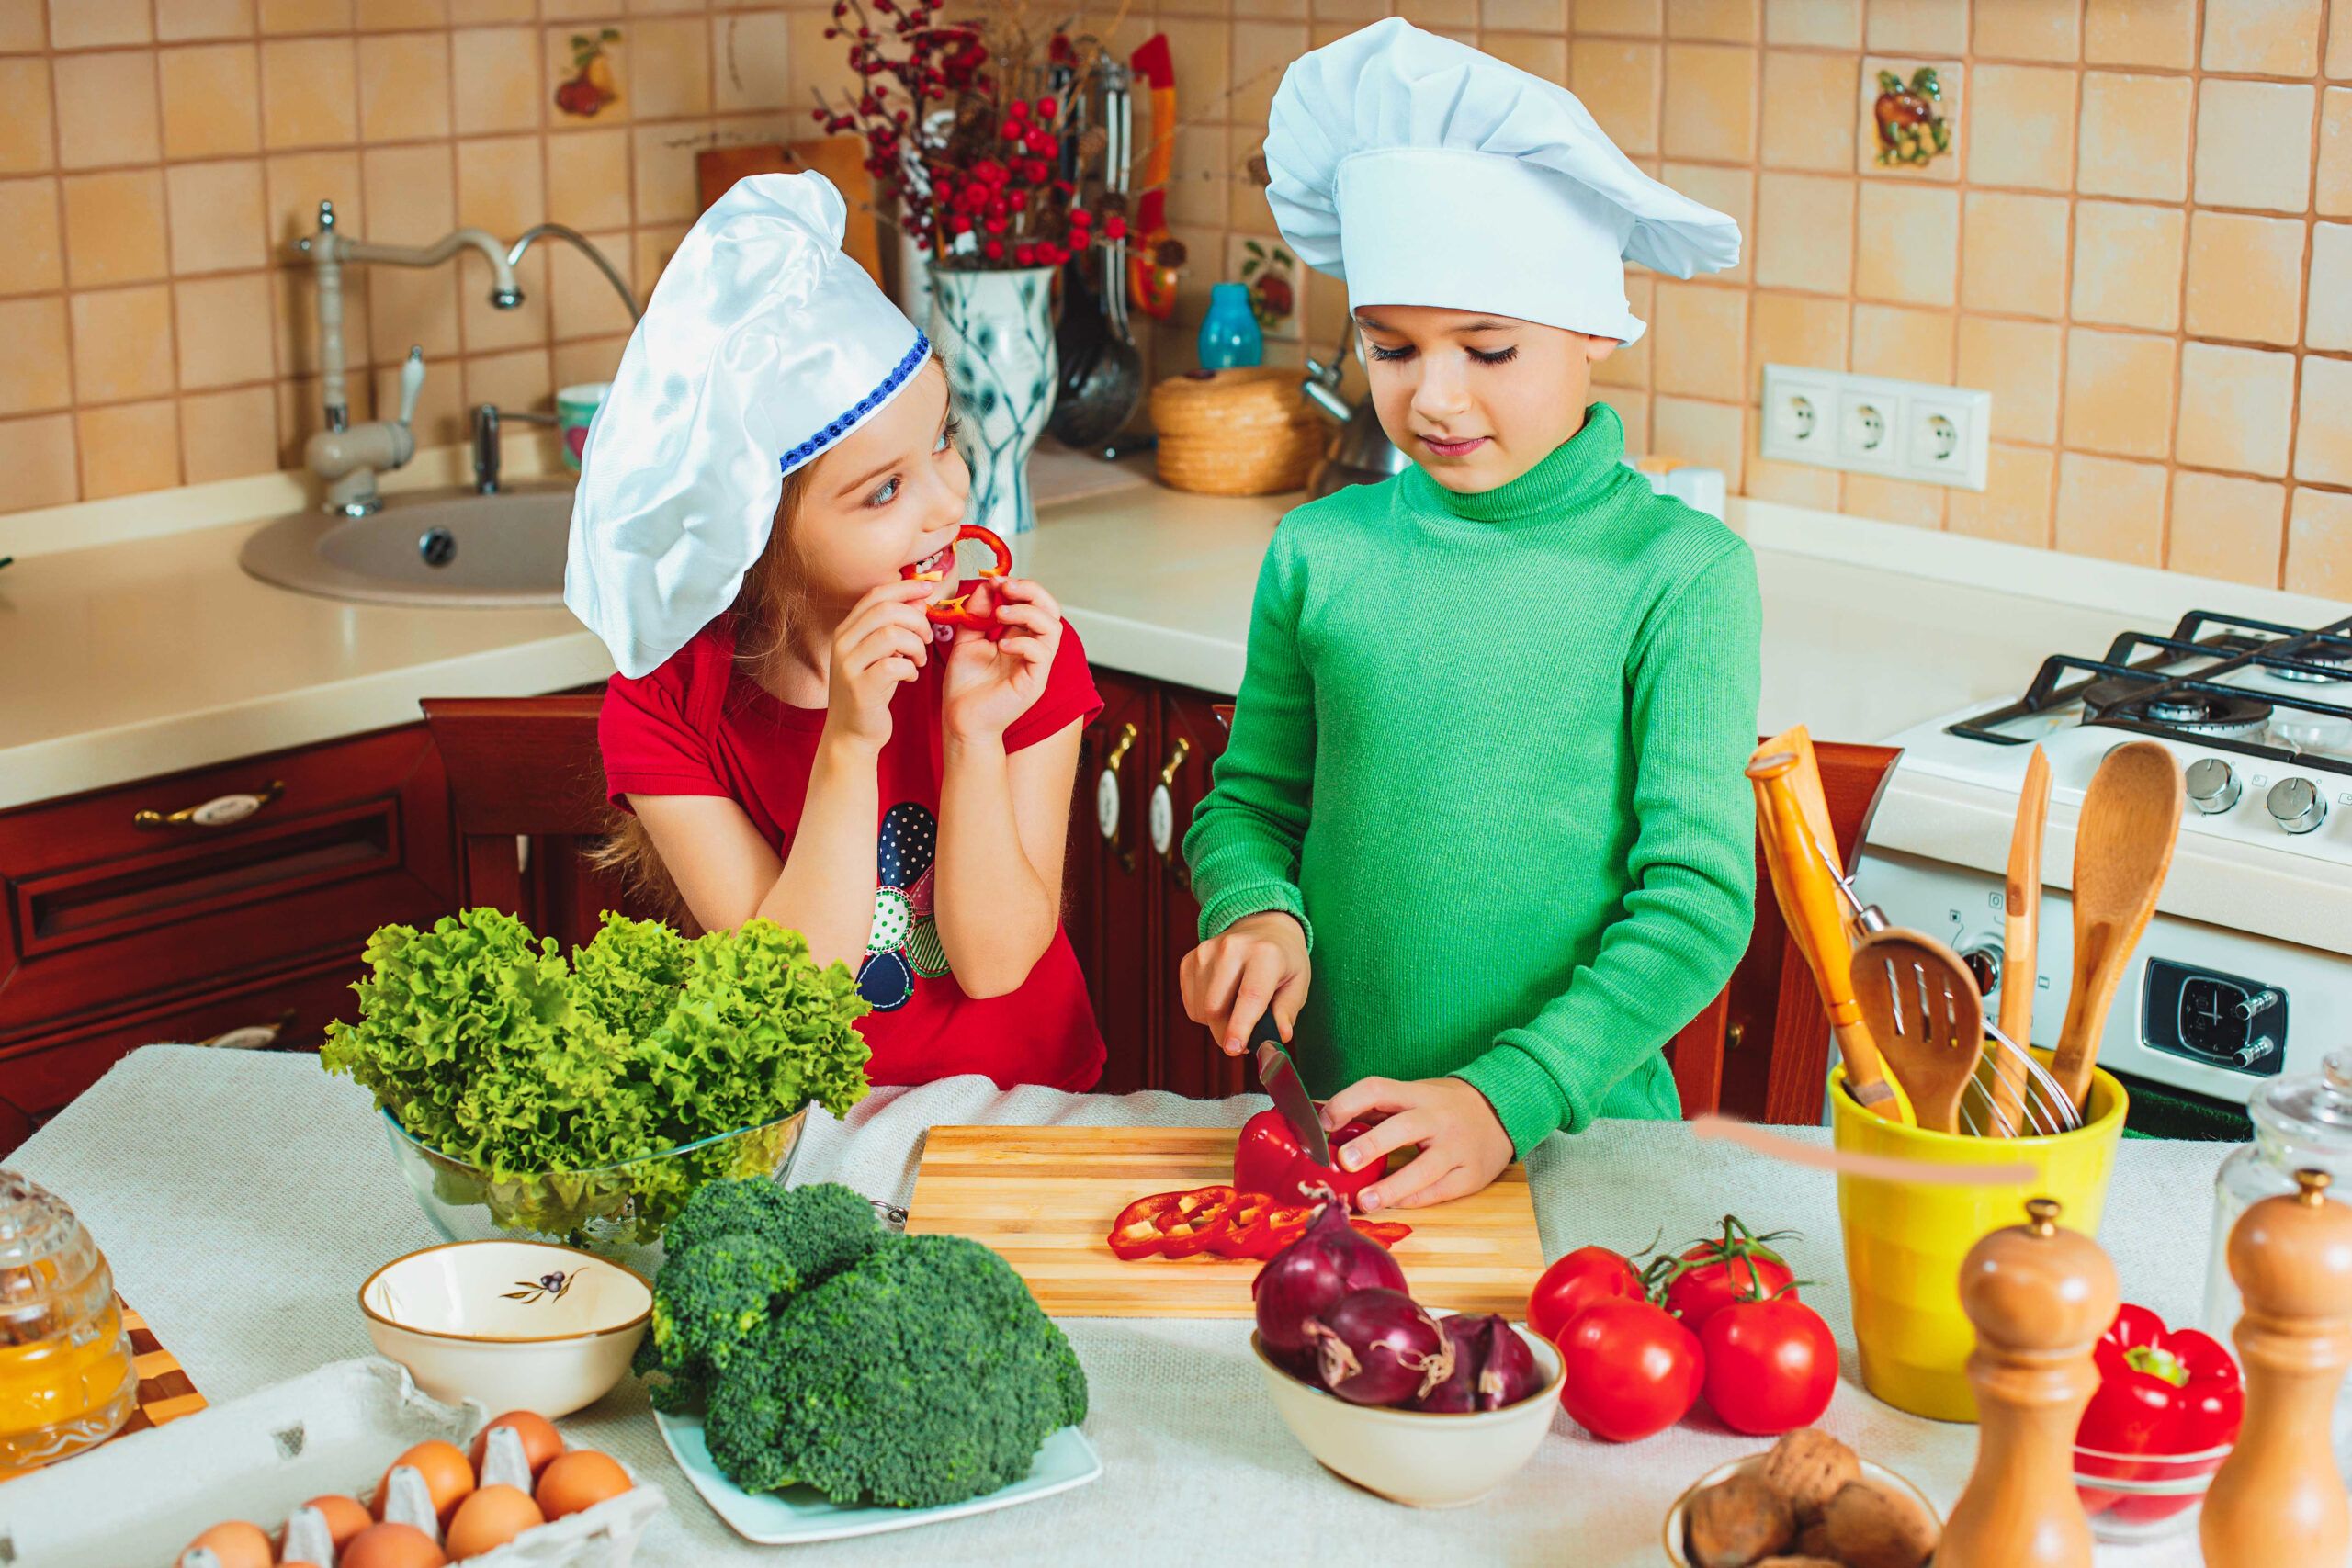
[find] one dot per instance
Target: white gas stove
(2246, 970)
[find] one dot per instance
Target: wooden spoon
(1924, 1010)
(2123, 844)
(2020, 936)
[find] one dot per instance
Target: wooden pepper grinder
(2277, 1498)
(2039, 1298)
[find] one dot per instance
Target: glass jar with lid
(66, 1379)
(2303, 1121)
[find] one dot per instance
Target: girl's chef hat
(1424, 172)
(764, 344)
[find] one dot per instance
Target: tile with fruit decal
(1277, 284)
(589, 87)
(1910, 117)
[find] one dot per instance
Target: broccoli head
(737, 1249)
(924, 1374)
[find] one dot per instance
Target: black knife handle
(1265, 1032)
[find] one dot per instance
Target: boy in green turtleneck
(1487, 761)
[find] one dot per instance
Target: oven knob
(2298, 804)
(1985, 966)
(2248, 1055)
(2213, 787)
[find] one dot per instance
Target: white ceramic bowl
(1427, 1460)
(1676, 1535)
(517, 1325)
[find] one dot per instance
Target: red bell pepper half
(2170, 1394)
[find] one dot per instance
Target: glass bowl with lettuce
(527, 1095)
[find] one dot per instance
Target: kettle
(1360, 452)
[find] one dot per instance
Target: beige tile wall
(2146, 255)
(158, 157)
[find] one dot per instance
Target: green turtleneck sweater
(1489, 751)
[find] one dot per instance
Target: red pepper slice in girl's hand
(1268, 1158)
(2162, 1392)
(956, 611)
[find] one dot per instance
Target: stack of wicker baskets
(1236, 432)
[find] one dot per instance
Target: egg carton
(139, 1500)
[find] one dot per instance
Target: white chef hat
(763, 345)
(1422, 171)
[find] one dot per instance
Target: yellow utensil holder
(1905, 1240)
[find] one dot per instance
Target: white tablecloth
(242, 1198)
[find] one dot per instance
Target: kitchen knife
(1279, 1074)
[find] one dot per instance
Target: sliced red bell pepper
(956, 611)
(2163, 1393)
(1261, 1226)
(1137, 1232)
(1197, 1220)
(1387, 1232)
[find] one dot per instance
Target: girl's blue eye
(1495, 356)
(885, 494)
(946, 437)
(1387, 353)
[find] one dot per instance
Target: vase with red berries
(972, 135)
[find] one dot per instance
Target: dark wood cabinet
(1191, 740)
(229, 902)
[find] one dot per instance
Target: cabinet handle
(1107, 810)
(218, 812)
(252, 1036)
(1163, 812)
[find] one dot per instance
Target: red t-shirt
(699, 725)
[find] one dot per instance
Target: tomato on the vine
(1771, 1364)
(1712, 1274)
(1574, 1282)
(1631, 1369)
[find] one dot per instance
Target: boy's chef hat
(764, 344)
(1424, 172)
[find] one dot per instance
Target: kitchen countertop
(154, 652)
(263, 1195)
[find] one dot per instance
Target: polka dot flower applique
(905, 943)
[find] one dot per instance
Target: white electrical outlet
(1910, 430)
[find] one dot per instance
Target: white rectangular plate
(801, 1513)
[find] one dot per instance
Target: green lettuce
(530, 1076)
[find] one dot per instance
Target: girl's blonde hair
(763, 615)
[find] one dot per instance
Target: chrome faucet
(487, 417)
(348, 455)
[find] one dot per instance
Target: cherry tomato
(1269, 1159)
(1576, 1281)
(1632, 1370)
(1771, 1365)
(1737, 1266)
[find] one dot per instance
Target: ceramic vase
(995, 331)
(1231, 339)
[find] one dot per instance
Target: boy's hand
(1230, 981)
(1463, 1142)
(880, 645)
(989, 685)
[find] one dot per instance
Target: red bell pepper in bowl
(2165, 1415)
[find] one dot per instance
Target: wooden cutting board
(1045, 1198)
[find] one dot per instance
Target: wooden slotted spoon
(1925, 1013)
(2123, 843)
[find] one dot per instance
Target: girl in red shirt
(793, 737)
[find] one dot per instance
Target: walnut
(1733, 1524)
(1869, 1527)
(1807, 1467)
(1814, 1541)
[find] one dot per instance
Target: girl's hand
(989, 685)
(880, 645)
(1230, 981)
(1463, 1142)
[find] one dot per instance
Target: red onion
(1492, 1367)
(1308, 1277)
(1378, 1347)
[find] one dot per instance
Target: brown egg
(237, 1544)
(581, 1479)
(541, 1441)
(489, 1518)
(391, 1546)
(343, 1516)
(447, 1475)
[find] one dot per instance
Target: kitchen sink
(440, 547)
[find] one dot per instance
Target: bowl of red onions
(1428, 1410)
